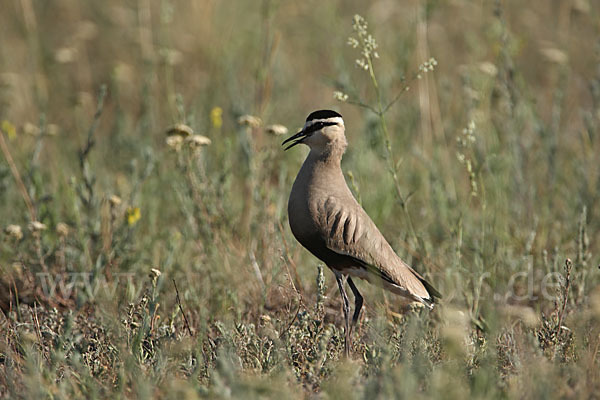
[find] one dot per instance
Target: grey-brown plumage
(327, 220)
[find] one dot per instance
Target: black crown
(322, 114)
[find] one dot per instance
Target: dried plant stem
(568, 267)
(292, 321)
(380, 111)
(187, 324)
(90, 136)
(38, 332)
(296, 277)
(87, 175)
(17, 176)
(565, 299)
(40, 252)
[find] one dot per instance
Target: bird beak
(298, 137)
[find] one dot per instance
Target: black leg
(358, 302)
(346, 306)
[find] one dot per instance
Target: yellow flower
(10, 129)
(216, 116)
(133, 215)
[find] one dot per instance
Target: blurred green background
(495, 156)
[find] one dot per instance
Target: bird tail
(433, 293)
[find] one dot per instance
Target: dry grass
(133, 267)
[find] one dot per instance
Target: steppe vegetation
(139, 264)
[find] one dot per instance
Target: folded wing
(348, 230)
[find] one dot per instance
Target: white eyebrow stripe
(337, 120)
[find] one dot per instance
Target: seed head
(555, 55)
(65, 55)
(36, 226)
(265, 319)
(276, 130)
(114, 200)
(62, 229)
(488, 68)
(52, 129)
(155, 273)
(31, 129)
(174, 142)
(250, 121)
(14, 231)
(180, 130)
(196, 141)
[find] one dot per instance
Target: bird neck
(331, 153)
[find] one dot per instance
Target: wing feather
(337, 217)
(349, 231)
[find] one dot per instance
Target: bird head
(322, 129)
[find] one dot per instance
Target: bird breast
(322, 205)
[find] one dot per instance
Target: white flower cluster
(427, 66)
(370, 45)
(359, 24)
(362, 64)
(365, 40)
(468, 135)
(465, 141)
(340, 96)
(352, 42)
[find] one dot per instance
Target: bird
(327, 220)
